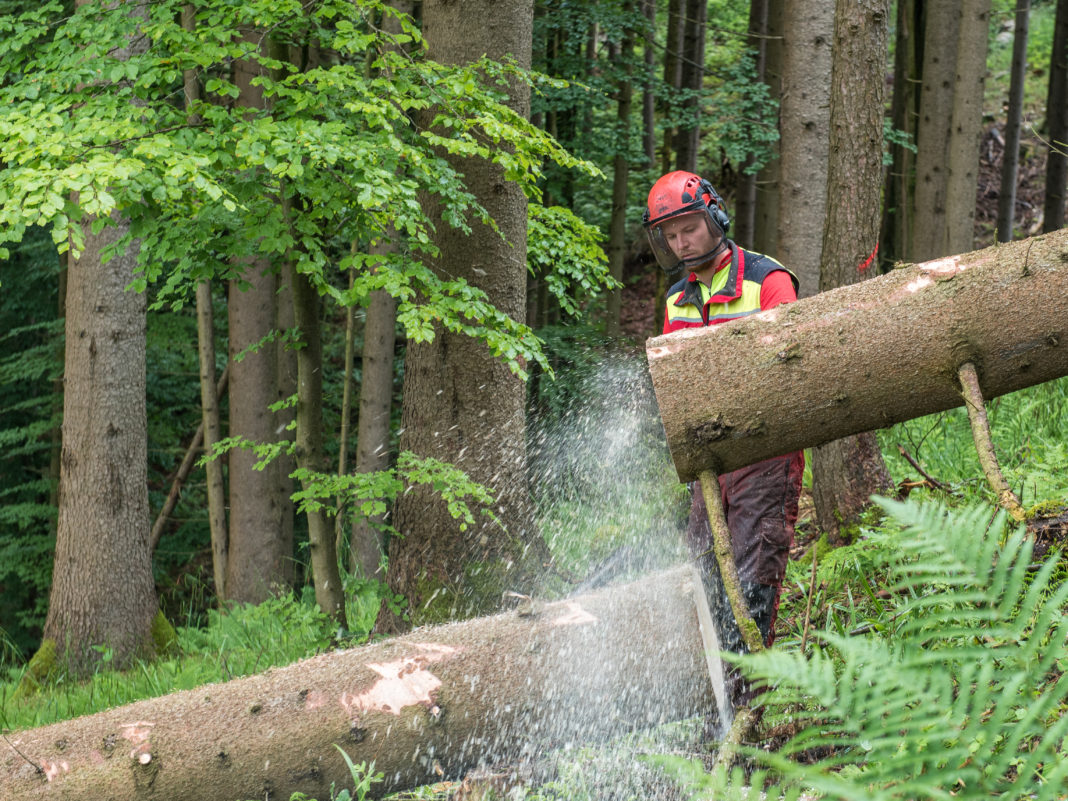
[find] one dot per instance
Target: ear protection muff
(715, 207)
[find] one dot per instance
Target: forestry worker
(687, 228)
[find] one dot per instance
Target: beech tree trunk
(864, 356)
(428, 705)
(260, 554)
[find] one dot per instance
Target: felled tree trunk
(864, 356)
(433, 703)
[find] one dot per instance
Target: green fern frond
(964, 698)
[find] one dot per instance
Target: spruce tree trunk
(1010, 160)
(864, 356)
(805, 115)
(103, 591)
(941, 34)
(847, 472)
(261, 545)
(430, 705)
(460, 405)
(966, 127)
(648, 85)
(672, 78)
(1057, 124)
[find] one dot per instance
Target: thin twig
(808, 605)
(916, 465)
(36, 767)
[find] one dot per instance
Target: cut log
(864, 356)
(433, 703)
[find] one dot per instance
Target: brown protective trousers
(760, 502)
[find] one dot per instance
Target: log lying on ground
(864, 356)
(433, 703)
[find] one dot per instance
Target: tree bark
(103, 592)
(966, 128)
(1057, 124)
(672, 78)
(434, 703)
(460, 405)
(846, 472)
(803, 149)
(649, 85)
(310, 452)
(766, 225)
(260, 545)
(864, 356)
(746, 196)
(1010, 160)
(940, 39)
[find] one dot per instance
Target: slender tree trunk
(366, 543)
(806, 88)
(766, 227)
(688, 138)
(310, 453)
(672, 78)
(460, 404)
(746, 196)
(648, 88)
(260, 545)
(900, 185)
(103, 591)
(366, 547)
(617, 232)
(893, 344)
(966, 127)
(209, 396)
(1013, 122)
(1057, 124)
(941, 34)
(847, 472)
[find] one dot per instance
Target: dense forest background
(384, 262)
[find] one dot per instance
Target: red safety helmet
(674, 195)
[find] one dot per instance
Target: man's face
(690, 235)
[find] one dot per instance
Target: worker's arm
(777, 288)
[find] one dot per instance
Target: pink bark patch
(404, 682)
(53, 769)
(138, 734)
(574, 615)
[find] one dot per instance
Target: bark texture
(1057, 124)
(766, 216)
(460, 405)
(864, 356)
(1010, 161)
(103, 592)
(846, 472)
(260, 554)
(439, 699)
(617, 227)
(803, 149)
